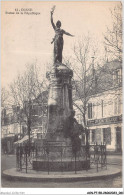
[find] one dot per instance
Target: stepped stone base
(57, 165)
(58, 156)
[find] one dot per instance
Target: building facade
(10, 130)
(104, 119)
(14, 122)
(104, 107)
(39, 116)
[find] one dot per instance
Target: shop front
(108, 131)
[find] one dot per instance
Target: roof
(100, 80)
(113, 65)
(24, 139)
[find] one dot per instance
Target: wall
(106, 105)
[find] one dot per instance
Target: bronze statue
(73, 129)
(58, 39)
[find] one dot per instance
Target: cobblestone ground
(8, 162)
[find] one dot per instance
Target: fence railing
(98, 156)
(94, 154)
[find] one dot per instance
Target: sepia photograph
(61, 96)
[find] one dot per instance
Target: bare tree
(90, 77)
(4, 97)
(24, 89)
(83, 68)
(113, 36)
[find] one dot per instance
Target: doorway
(118, 139)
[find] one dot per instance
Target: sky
(26, 38)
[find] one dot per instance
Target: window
(3, 112)
(44, 110)
(88, 131)
(102, 107)
(118, 139)
(35, 110)
(96, 136)
(89, 110)
(117, 76)
(107, 135)
(117, 106)
(93, 135)
(39, 136)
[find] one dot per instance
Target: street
(9, 161)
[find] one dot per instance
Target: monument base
(59, 156)
(58, 165)
(61, 151)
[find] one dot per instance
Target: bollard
(17, 158)
(61, 159)
(105, 157)
(47, 150)
(97, 156)
(20, 158)
(101, 148)
(75, 164)
(48, 164)
(36, 153)
(26, 160)
(86, 157)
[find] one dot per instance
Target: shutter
(90, 110)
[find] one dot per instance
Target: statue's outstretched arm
(53, 25)
(66, 33)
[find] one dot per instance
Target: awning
(25, 138)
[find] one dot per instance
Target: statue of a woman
(58, 39)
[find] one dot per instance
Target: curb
(11, 174)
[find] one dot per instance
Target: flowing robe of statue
(58, 40)
(58, 45)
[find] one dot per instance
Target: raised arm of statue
(66, 33)
(53, 25)
(58, 38)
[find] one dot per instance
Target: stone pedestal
(59, 101)
(58, 151)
